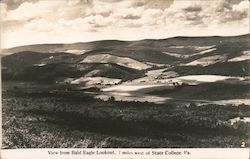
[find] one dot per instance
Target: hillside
(21, 60)
(109, 93)
(137, 64)
(238, 68)
(58, 71)
(123, 61)
(207, 91)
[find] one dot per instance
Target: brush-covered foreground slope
(40, 120)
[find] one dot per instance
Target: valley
(176, 92)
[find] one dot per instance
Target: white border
(91, 153)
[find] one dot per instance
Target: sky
(25, 22)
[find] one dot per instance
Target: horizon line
(68, 43)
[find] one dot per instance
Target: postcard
(125, 79)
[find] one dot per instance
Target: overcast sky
(64, 21)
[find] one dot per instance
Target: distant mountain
(187, 43)
(128, 60)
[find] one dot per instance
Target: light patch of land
(156, 64)
(91, 81)
(77, 52)
(123, 61)
(205, 61)
(206, 51)
(155, 72)
(152, 79)
(73, 51)
(92, 73)
(175, 54)
(121, 96)
(206, 78)
(235, 102)
(245, 56)
(138, 90)
(201, 48)
(239, 119)
(40, 65)
(129, 88)
(132, 86)
(198, 48)
(156, 76)
(177, 47)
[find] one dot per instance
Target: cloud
(111, 1)
(193, 9)
(29, 10)
(130, 13)
(12, 25)
(86, 20)
(208, 13)
(158, 4)
(13, 4)
(131, 17)
(232, 10)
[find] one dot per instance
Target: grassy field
(62, 119)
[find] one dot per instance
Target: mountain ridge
(47, 46)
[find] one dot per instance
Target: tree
(111, 99)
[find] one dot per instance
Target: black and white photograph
(125, 73)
